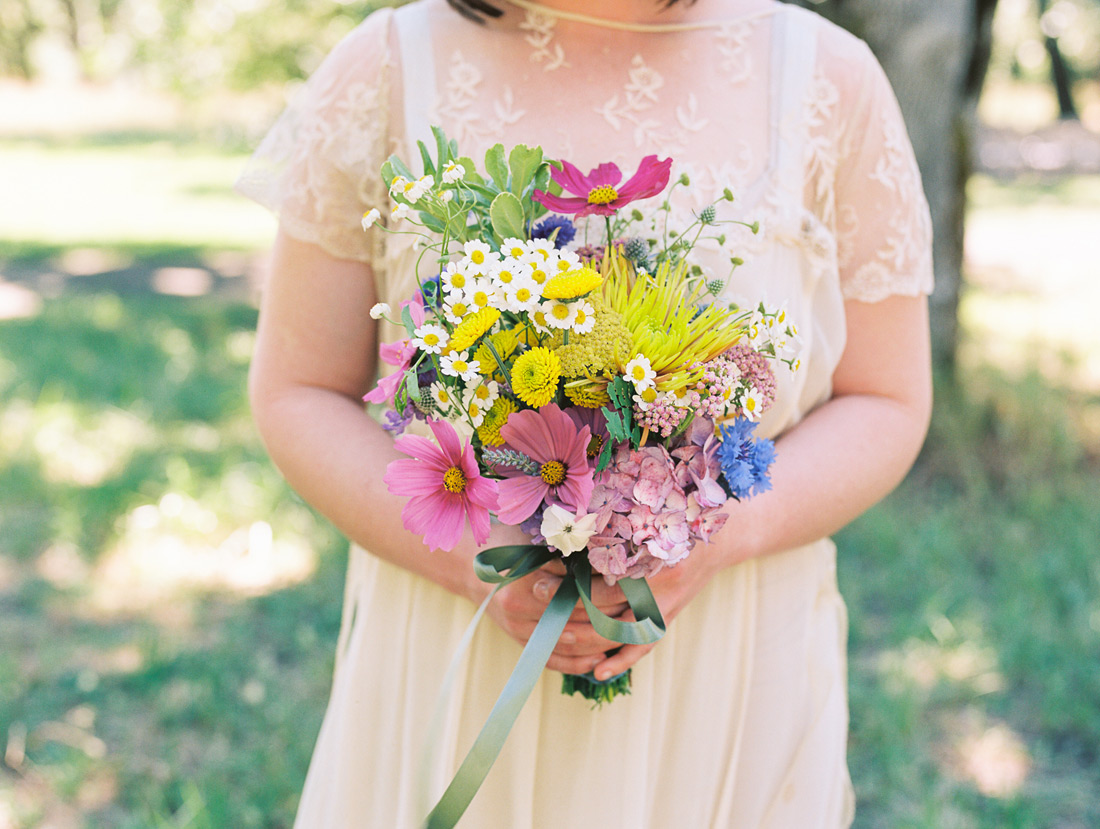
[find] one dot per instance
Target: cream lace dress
(738, 718)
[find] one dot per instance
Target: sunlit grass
(147, 193)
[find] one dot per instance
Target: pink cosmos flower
(599, 192)
(445, 487)
(549, 438)
(399, 353)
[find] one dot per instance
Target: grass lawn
(169, 608)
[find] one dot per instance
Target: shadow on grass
(49, 270)
(973, 592)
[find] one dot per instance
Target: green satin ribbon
(500, 566)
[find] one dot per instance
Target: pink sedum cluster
(654, 506)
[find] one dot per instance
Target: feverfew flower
(473, 409)
(370, 217)
(452, 172)
(585, 319)
(455, 308)
(459, 364)
(400, 211)
(481, 293)
(486, 394)
(752, 403)
(567, 532)
(479, 257)
(419, 188)
(399, 185)
(513, 248)
(380, 310)
(454, 277)
(640, 372)
(443, 397)
(560, 314)
(521, 294)
(431, 338)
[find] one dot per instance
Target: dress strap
(417, 73)
(793, 63)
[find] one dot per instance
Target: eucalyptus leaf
(506, 213)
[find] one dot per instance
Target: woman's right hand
(517, 608)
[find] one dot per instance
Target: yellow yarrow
(572, 284)
(472, 327)
(589, 394)
(535, 376)
(601, 350)
(497, 416)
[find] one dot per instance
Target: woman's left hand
(673, 588)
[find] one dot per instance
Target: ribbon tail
(471, 774)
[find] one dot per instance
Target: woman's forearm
(334, 455)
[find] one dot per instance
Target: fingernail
(603, 674)
(567, 638)
(542, 589)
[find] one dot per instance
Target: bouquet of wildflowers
(581, 380)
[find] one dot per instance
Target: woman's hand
(673, 588)
(517, 608)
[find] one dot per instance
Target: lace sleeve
(884, 228)
(317, 168)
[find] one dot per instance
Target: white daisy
(479, 257)
(481, 293)
(443, 397)
(400, 211)
(459, 364)
(487, 393)
(452, 172)
(513, 248)
(585, 317)
(454, 277)
(522, 294)
(455, 307)
(379, 310)
(560, 314)
(431, 338)
(370, 217)
(752, 402)
(639, 371)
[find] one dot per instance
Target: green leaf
(506, 214)
(524, 162)
(426, 158)
(615, 426)
(605, 455)
(412, 386)
(442, 146)
(398, 168)
(433, 223)
(495, 166)
(407, 321)
(472, 175)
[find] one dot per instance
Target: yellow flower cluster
(572, 284)
(591, 394)
(535, 376)
(472, 327)
(497, 416)
(504, 344)
(602, 349)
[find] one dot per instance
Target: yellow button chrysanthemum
(572, 284)
(497, 416)
(468, 331)
(535, 376)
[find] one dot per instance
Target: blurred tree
(1060, 73)
(935, 54)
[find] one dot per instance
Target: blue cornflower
(544, 229)
(745, 460)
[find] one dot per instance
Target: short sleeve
(318, 167)
(884, 229)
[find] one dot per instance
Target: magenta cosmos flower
(444, 486)
(399, 353)
(559, 472)
(600, 192)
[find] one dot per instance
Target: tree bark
(935, 53)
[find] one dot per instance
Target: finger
(621, 661)
(580, 614)
(573, 664)
(579, 639)
(555, 566)
(544, 586)
(605, 594)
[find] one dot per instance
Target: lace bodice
(735, 104)
(791, 113)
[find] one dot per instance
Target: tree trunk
(1060, 74)
(935, 53)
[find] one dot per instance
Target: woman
(738, 717)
